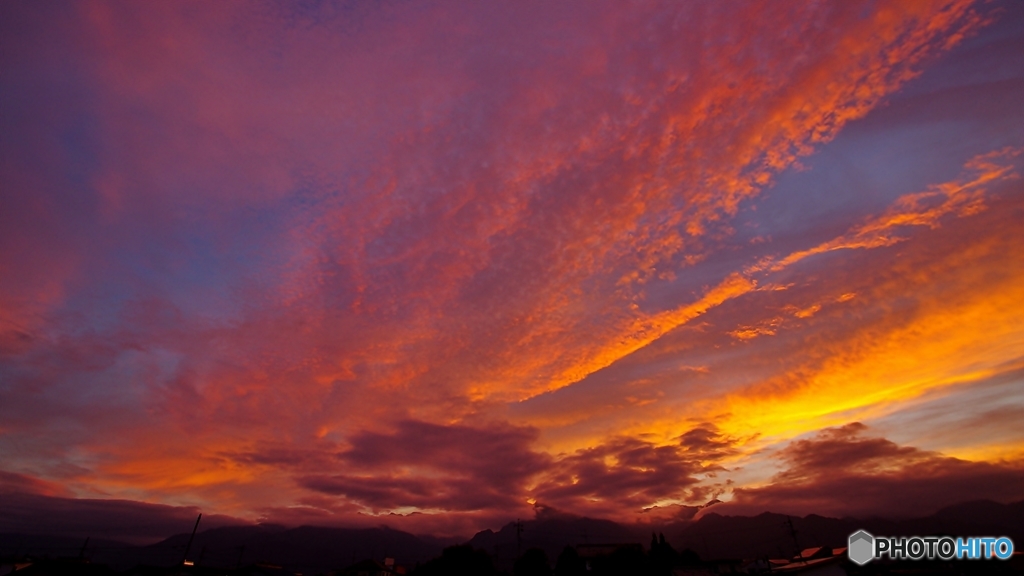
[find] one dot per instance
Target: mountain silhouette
(306, 549)
(769, 534)
(317, 550)
(551, 533)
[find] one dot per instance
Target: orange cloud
(962, 328)
(961, 197)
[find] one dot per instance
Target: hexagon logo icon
(860, 547)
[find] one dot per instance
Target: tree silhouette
(569, 563)
(459, 561)
(626, 560)
(663, 556)
(533, 563)
(688, 558)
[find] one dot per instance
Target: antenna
(81, 553)
(792, 532)
(184, 558)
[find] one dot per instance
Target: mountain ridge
(319, 549)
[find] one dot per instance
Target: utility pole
(519, 537)
(792, 532)
(194, 528)
(81, 553)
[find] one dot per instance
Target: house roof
(801, 566)
(815, 552)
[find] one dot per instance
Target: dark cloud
(706, 442)
(843, 472)
(124, 520)
(288, 457)
(464, 468)
(381, 492)
(480, 476)
(634, 474)
(489, 453)
(430, 466)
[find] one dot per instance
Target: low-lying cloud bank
(27, 506)
(426, 478)
(845, 472)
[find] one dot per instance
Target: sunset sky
(439, 265)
